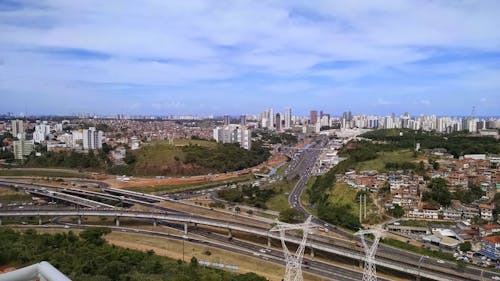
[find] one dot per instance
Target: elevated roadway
(231, 226)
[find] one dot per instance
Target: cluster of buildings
(53, 136)
(318, 121)
(440, 226)
(443, 124)
(406, 189)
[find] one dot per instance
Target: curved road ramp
(43, 271)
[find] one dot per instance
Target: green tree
(397, 211)
(466, 246)
(438, 193)
(291, 215)
(94, 235)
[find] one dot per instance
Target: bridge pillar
(229, 233)
(0, 221)
(117, 221)
(312, 252)
(268, 242)
(185, 228)
(79, 220)
(40, 220)
(155, 223)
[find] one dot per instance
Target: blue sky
(232, 57)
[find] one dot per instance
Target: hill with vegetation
(201, 157)
(88, 257)
(183, 158)
(457, 144)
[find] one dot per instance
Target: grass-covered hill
(194, 158)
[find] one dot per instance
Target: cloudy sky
(218, 57)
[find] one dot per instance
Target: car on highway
(495, 278)
(440, 261)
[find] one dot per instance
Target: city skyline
(204, 57)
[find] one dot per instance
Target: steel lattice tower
(293, 270)
(370, 272)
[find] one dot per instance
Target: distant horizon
(235, 116)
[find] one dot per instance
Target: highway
(75, 196)
(231, 226)
(303, 166)
(387, 257)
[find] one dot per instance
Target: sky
(232, 57)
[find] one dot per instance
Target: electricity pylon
(293, 270)
(370, 272)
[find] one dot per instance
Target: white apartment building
(92, 139)
(41, 132)
(288, 118)
(18, 129)
(234, 134)
(23, 148)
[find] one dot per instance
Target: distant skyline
(233, 57)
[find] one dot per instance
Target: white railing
(43, 271)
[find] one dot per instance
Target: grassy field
(183, 142)
(279, 202)
(157, 155)
(383, 158)
(342, 194)
(188, 187)
(304, 198)
(41, 173)
(15, 198)
(175, 248)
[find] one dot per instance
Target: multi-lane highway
(389, 257)
(433, 274)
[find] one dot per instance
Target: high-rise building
(271, 119)
(277, 125)
(288, 118)
(243, 120)
(23, 148)
(41, 132)
(314, 117)
(92, 139)
(18, 129)
(227, 120)
(234, 134)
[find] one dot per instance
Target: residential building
(18, 129)
(92, 139)
(313, 117)
(288, 118)
(23, 148)
(234, 134)
(41, 132)
(490, 247)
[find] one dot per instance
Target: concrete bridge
(230, 226)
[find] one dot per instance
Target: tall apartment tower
(278, 122)
(92, 139)
(243, 120)
(288, 118)
(271, 119)
(314, 117)
(17, 128)
(226, 120)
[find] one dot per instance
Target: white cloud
(165, 43)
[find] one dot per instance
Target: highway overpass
(230, 226)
